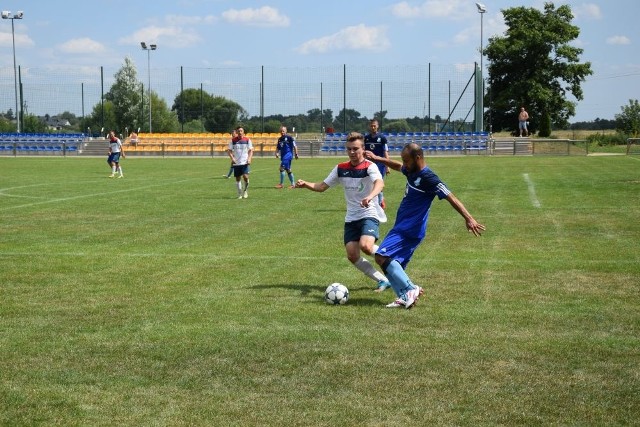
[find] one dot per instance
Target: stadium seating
(40, 143)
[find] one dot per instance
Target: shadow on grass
(315, 294)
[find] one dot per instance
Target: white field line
(532, 191)
(84, 196)
(164, 255)
(267, 257)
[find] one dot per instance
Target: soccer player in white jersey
(397, 248)
(241, 152)
(115, 151)
(362, 183)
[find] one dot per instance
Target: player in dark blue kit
(376, 142)
(410, 227)
(287, 150)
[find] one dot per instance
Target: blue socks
(399, 280)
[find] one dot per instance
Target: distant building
(54, 122)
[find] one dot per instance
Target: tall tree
(125, 96)
(216, 112)
(223, 115)
(192, 103)
(628, 121)
(534, 66)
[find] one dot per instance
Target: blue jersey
(377, 143)
(285, 146)
(413, 212)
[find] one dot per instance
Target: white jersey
(115, 145)
(240, 150)
(357, 182)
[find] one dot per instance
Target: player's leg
(281, 169)
(245, 176)
(355, 240)
(286, 164)
(394, 254)
(237, 174)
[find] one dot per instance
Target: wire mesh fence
(438, 95)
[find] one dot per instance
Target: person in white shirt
(362, 182)
(241, 152)
(115, 151)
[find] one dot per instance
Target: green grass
(160, 299)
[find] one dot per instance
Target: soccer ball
(336, 294)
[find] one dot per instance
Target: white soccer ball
(336, 294)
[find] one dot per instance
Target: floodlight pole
(149, 49)
(482, 9)
(7, 15)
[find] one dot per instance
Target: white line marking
(84, 196)
(532, 191)
(162, 255)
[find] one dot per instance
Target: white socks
(369, 270)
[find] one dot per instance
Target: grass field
(160, 299)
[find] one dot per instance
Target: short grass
(160, 299)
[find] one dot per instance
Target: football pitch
(161, 299)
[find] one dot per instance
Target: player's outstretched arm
(313, 186)
(393, 164)
(472, 225)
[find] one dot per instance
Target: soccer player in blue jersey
(397, 248)
(376, 142)
(241, 152)
(287, 150)
(362, 182)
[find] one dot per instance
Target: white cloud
(263, 17)
(22, 40)
(587, 11)
(189, 20)
(359, 37)
(83, 45)
(619, 40)
(173, 36)
(430, 9)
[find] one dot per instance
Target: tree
(534, 66)
(223, 115)
(125, 96)
(628, 122)
(6, 125)
(352, 119)
(32, 124)
(216, 112)
(163, 119)
(94, 120)
(191, 104)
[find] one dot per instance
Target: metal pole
(149, 49)
(149, 85)
(482, 9)
(15, 76)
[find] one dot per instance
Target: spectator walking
(523, 122)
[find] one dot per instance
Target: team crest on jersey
(417, 181)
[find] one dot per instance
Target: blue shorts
(285, 164)
(364, 227)
(522, 125)
(398, 247)
(239, 170)
(113, 158)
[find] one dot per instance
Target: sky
(299, 33)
